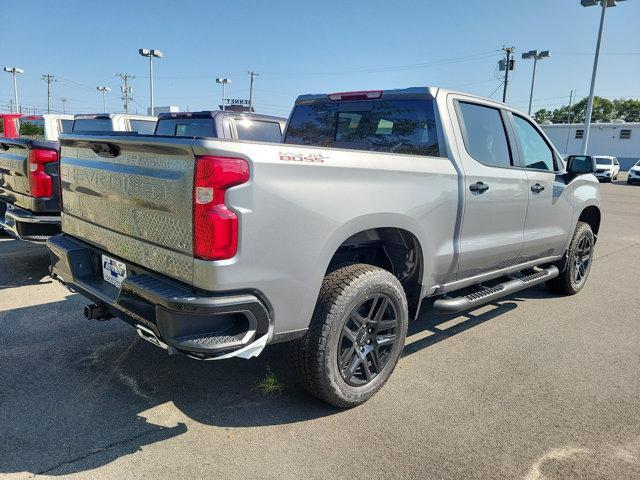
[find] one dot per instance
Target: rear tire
(579, 260)
(355, 337)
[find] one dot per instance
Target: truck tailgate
(14, 173)
(132, 197)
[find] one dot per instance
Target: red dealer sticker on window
(303, 157)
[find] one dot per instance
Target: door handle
(537, 188)
(478, 187)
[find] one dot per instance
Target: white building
(167, 109)
(618, 139)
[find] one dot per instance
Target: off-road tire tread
(562, 284)
(309, 352)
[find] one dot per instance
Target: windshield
(604, 161)
(397, 126)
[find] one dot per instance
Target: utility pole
(126, 89)
(64, 101)
(252, 74)
(49, 79)
(507, 66)
(566, 148)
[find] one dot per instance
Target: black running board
(488, 294)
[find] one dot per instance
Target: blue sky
(310, 47)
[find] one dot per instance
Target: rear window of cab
(393, 126)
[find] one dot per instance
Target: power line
(591, 53)
(497, 88)
(467, 58)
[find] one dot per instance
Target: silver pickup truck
(374, 201)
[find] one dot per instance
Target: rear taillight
(40, 181)
(215, 227)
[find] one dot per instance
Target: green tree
(561, 115)
(603, 110)
(628, 109)
(31, 130)
(543, 115)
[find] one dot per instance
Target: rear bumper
(26, 225)
(200, 324)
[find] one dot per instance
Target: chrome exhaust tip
(151, 337)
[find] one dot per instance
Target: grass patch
(269, 385)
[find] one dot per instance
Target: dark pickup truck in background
(29, 169)
(223, 125)
(29, 188)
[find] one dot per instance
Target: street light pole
(104, 90)
(252, 74)
(15, 71)
(150, 53)
(223, 82)
(587, 118)
(536, 56)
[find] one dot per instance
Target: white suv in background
(607, 168)
(634, 174)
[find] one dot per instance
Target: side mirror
(581, 164)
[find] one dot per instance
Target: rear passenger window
(143, 127)
(486, 137)
(393, 126)
(537, 154)
(66, 126)
(258, 131)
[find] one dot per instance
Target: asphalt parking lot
(533, 387)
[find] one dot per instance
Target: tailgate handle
(105, 149)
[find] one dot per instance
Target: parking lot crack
(96, 451)
(619, 250)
